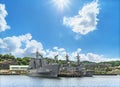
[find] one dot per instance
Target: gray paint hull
(50, 70)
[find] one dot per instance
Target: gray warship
(78, 70)
(40, 67)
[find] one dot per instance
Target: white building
(18, 67)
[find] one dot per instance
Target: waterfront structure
(18, 67)
(40, 67)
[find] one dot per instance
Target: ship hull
(50, 70)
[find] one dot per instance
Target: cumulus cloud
(94, 57)
(22, 45)
(85, 21)
(3, 14)
(91, 57)
(72, 55)
(56, 51)
(61, 52)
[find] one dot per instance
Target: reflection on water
(26, 81)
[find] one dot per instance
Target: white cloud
(94, 57)
(56, 51)
(77, 37)
(91, 57)
(83, 56)
(20, 45)
(79, 50)
(3, 14)
(51, 54)
(24, 45)
(85, 21)
(72, 55)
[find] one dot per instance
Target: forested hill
(25, 61)
(8, 58)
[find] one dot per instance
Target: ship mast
(56, 59)
(67, 59)
(78, 59)
(38, 62)
(38, 54)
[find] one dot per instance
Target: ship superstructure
(40, 67)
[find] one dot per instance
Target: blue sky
(86, 26)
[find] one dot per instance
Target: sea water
(27, 81)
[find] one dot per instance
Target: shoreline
(72, 75)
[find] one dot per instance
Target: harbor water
(27, 81)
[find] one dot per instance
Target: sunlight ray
(61, 4)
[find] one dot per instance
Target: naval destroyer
(40, 67)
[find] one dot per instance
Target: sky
(88, 27)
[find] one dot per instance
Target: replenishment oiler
(40, 67)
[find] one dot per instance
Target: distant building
(18, 67)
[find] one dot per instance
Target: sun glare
(61, 4)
